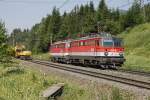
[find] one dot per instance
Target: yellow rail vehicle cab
(21, 53)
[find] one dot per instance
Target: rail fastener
(52, 92)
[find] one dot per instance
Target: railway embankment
(17, 82)
(94, 85)
(20, 81)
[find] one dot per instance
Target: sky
(25, 13)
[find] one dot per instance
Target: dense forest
(80, 21)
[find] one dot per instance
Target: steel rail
(135, 72)
(124, 80)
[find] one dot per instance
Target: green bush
(137, 47)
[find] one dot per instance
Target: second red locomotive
(101, 50)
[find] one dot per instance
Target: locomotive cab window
(75, 44)
(18, 50)
(107, 42)
(117, 42)
(68, 45)
(81, 43)
(62, 45)
(52, 46)
(97, 43)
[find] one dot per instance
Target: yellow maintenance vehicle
(21, 53)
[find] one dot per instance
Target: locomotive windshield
(113, 42)
(117, 42)
(107, 43)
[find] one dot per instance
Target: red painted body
(101, 47)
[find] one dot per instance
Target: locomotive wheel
(21, 57)
(53, 60)
(67, 61)
(104, 66)
(114, 66)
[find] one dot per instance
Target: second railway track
(135, 72)
(120, 79)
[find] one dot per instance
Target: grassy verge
(42, 56)
(16, 83)
(137, 47)
(138, 63)
(19, 83)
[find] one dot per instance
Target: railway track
(135, 72)
(120, 79)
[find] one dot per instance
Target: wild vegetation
(79, 22)
(137, 47)
(42, 56)
(18, 82)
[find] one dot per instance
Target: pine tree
(64, 27)
(103, 15)
(103, 12)
(134, 16)
(4, 54)
(147, 12)
(2, 34)
(92, 7)
(115, 14)
(89, 19)
(54, 24)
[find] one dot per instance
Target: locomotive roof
(101, 35)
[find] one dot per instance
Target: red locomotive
(101, 50)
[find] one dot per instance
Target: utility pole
(51, 38)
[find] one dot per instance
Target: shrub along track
(126, 80)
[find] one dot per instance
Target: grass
(138, 63)
(19, 83)
(42, 56)
(137, 47)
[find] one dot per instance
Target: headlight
(106, 53)
(121, 53)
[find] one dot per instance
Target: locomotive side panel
(94, 51)
(83, 48)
